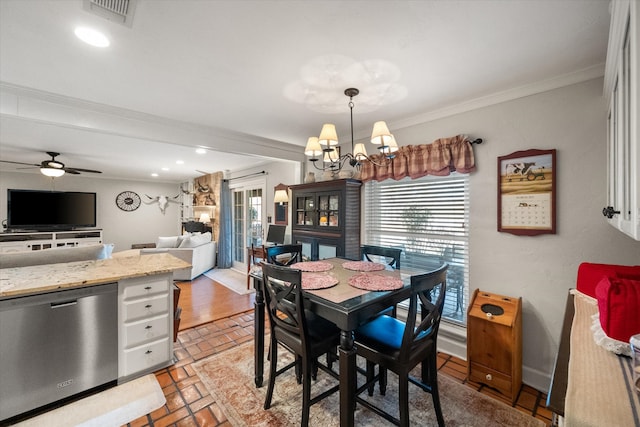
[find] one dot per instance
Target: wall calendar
(527, 192)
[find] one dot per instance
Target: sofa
(55, 255)
(195, 248)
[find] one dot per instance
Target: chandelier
(325, 145)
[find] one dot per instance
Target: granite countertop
(36, 279)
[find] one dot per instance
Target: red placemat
(312, 266)
(375, 282)
(363, 266)
(312, 281)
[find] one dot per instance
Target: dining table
(347, 293)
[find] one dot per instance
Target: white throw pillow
(196, 240)
(167, 242)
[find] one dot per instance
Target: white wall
(285, 172)
(143, 225)
(539, 269)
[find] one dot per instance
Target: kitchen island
(71, 327)
(21, 281)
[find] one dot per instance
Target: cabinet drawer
(137, 288)
(144, 357)
(146, 330)
(147, 307)
(490, 377)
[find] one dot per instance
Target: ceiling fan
(53, 168)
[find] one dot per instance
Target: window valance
(441, 157)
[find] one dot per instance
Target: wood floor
(189, 404)
(202, 301)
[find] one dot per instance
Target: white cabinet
(622, 91)
(18, 242)
(145, 324)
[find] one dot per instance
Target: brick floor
(189, 403)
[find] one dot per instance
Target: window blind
(428, 218)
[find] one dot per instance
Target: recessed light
(201, 151)
(154, 174)
(92, 37)
(165, 169)
(179, 162)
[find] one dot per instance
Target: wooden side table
(494, 342)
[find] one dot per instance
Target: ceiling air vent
(120, 11)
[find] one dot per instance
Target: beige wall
(121, 228)
(539, 269)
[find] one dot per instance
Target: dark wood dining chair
(283, 255)
(306, 335)
(455, 277)
(256, 255)
(399, 346)
(391, 255)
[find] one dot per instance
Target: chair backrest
(284, 300)
(391, 255)
(420, 334)
(277, 254)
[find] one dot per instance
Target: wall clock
(128, 201)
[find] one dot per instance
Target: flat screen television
(50, 210)
(275, 234)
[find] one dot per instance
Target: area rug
(231, 279)
(229, 377)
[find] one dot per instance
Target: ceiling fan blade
(71, 171)
(19, 163)
(78, 170)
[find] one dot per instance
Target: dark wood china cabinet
(326, 218)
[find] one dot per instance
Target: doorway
(249, 219)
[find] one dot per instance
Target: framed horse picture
(527, 192)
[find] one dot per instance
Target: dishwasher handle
(63, 304)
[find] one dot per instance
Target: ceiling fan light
(313, 147)
(54, 164)
(328, 135)
(52, 172)
(380, 134)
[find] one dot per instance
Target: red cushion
(619, 307)
(589, 275)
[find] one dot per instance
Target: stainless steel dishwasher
(55, 345)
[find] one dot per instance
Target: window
(428, 218)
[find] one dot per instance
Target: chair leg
(273, 351)
(298, 369)
(306, 391)
(403, 397)
(370, 375)
(435, 395)
(383, 380)
(314, 369)
(332, 357)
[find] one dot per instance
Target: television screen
(276, 234)
(50, 210)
